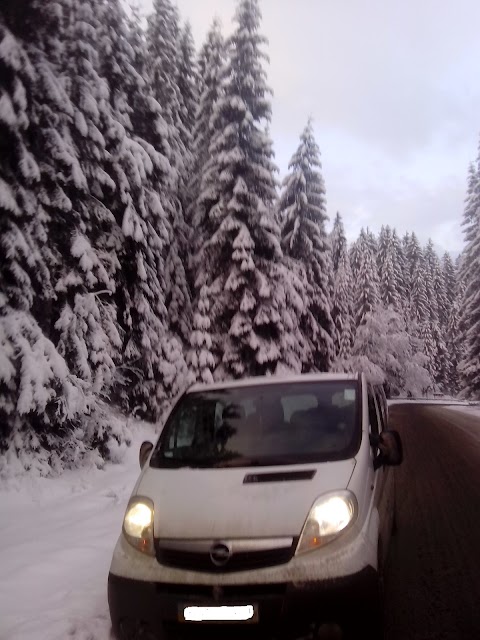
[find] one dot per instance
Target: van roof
(272, 380)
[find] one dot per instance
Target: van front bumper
(138, 606)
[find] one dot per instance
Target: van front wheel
(367, 620)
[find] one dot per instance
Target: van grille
(240, 561)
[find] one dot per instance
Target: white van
(265, 502)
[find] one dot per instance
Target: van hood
(219, 504)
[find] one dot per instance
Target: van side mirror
(390, 449)
(144, 452)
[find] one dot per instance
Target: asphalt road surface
(433, 571)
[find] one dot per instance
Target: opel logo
(220, 554)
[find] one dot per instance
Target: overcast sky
(394, 90)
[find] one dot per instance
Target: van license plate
(244, 613)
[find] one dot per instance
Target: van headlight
(138, 524)
(331, 514)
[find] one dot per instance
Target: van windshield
(264, 425)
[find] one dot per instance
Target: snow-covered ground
(56, 542)
(445, 400)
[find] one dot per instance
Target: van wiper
(208, 463)
(238, 462)
(270, 461)
(162, 462)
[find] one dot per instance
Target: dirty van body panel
(216, 503)
(282, 607)
(384, 494)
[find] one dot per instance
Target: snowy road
(57, 536)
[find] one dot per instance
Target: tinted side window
(380, 407)
(372, 413)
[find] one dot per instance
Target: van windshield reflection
(261, 425)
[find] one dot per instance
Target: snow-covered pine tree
(147, 119)
(343, 312)
(302, 209)
(211, 63)
(372, 241)
(130, 158)
(355, 258)
(253, 324)
(165, 56)
(117, 63)
(153, 359)
(40, 401)
(453, 336)
(469, 281)
(338, 242)
(146, 169)
(388, 270)
(438, 312)
(384, 238)
(459, 273)
(178, 288)
(187, 81)
(450, 279)
(28, 110)
(142, 158)
(366, 290)
(440, 287)
(297, 319)
(213, 37)
(178, 292)
(400, 270)
(137, 38)
(405, 244)
(431, 265)
(153, 364)
(454, 348)
(418, 302)
(468, 276)
(200, 360)
(163, 34)
(24, 269)
(342, 300)
(472, 201)
(388, 283)
(464, 260)
(427, 332)
(388, 355)
(88, 240)
(443, 355)
(152, 220)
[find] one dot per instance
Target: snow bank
(56, 541)
(445, 400)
